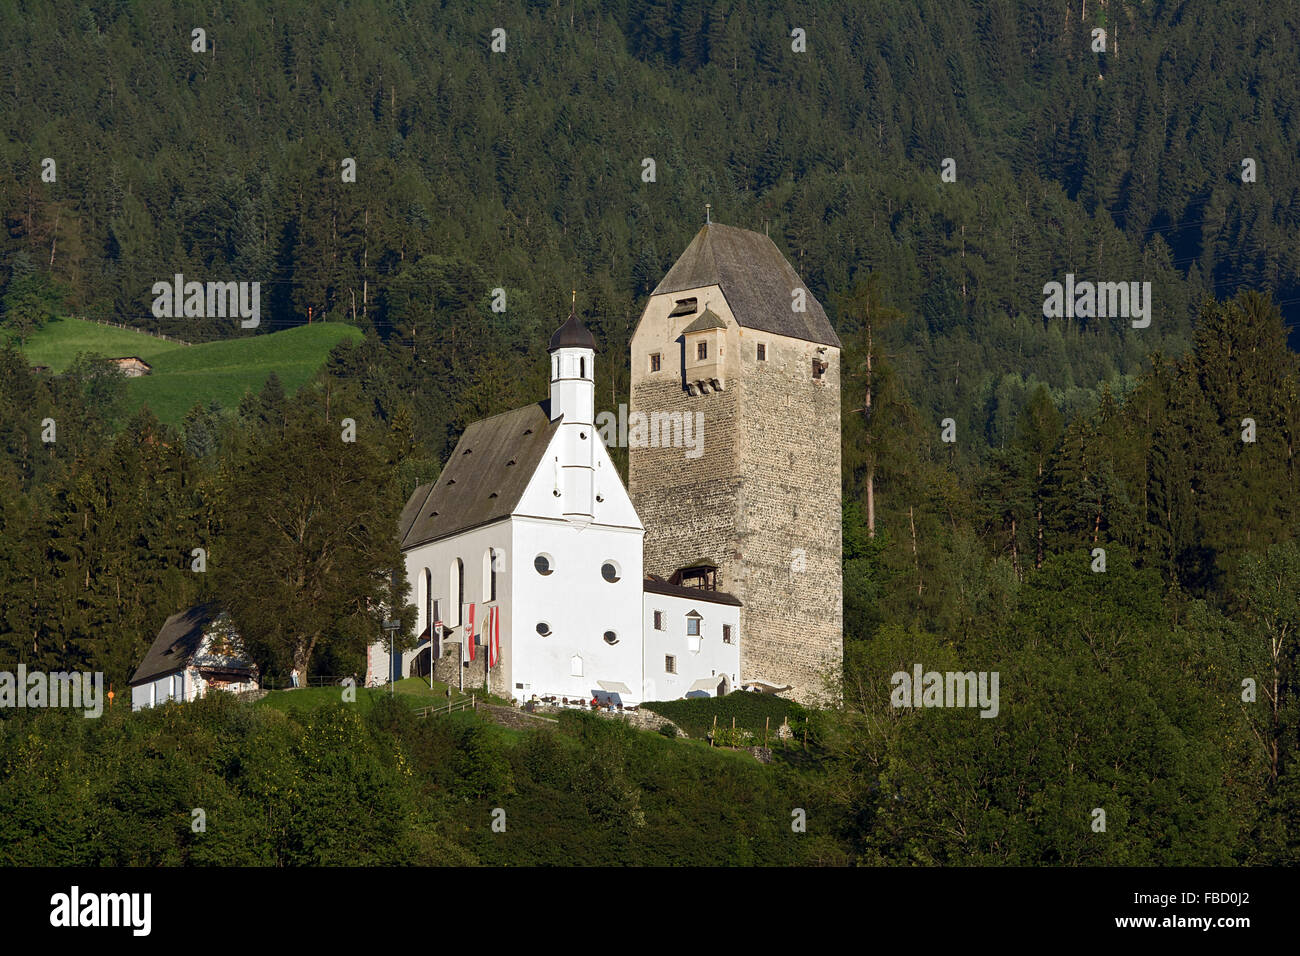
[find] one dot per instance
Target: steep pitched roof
(485, 477)
(756, 279)
(177, 643)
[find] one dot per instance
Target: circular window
(543, 629)
(610, 571)
(544, 564)
(611, 638)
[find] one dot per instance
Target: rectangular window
(818, 367)
(726, 634)
(762, 352)
(693, 626)
(702, 350)
(670, 664)
(659, 620)
(656, 362)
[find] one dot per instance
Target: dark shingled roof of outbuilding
(485, 477)
(176, 643)
(756, 279)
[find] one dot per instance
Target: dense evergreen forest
(523, 170)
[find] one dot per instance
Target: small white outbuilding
(196, 651)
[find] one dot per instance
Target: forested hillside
(1170, 449)
(522, 170)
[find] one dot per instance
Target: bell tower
(573, 398)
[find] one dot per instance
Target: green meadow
(185, 374)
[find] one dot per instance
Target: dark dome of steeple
(572, 335)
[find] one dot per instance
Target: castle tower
(733, 339)
(573, 398)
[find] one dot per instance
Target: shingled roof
(709, 320)
(657, 585)
(176, 643)
(485, 477)
(572, 335)
(756, 279)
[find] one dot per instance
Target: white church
(529, 526)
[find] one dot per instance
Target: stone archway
(422, 664)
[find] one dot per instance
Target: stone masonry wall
(447, 669)
(687, 504)
(790, 516)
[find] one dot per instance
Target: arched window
(426, 603)
(460, 585)
(456, 589)
(582, 367)
(493, 563)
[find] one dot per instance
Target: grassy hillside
(58, 343)
(223, 371)
(412, 692)
(182, 375)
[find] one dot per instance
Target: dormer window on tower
(703, 340)
(684, 307)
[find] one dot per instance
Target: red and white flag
(469, 632)
(494, 636)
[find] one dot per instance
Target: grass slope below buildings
(412, 692)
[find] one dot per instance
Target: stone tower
(733, 341)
